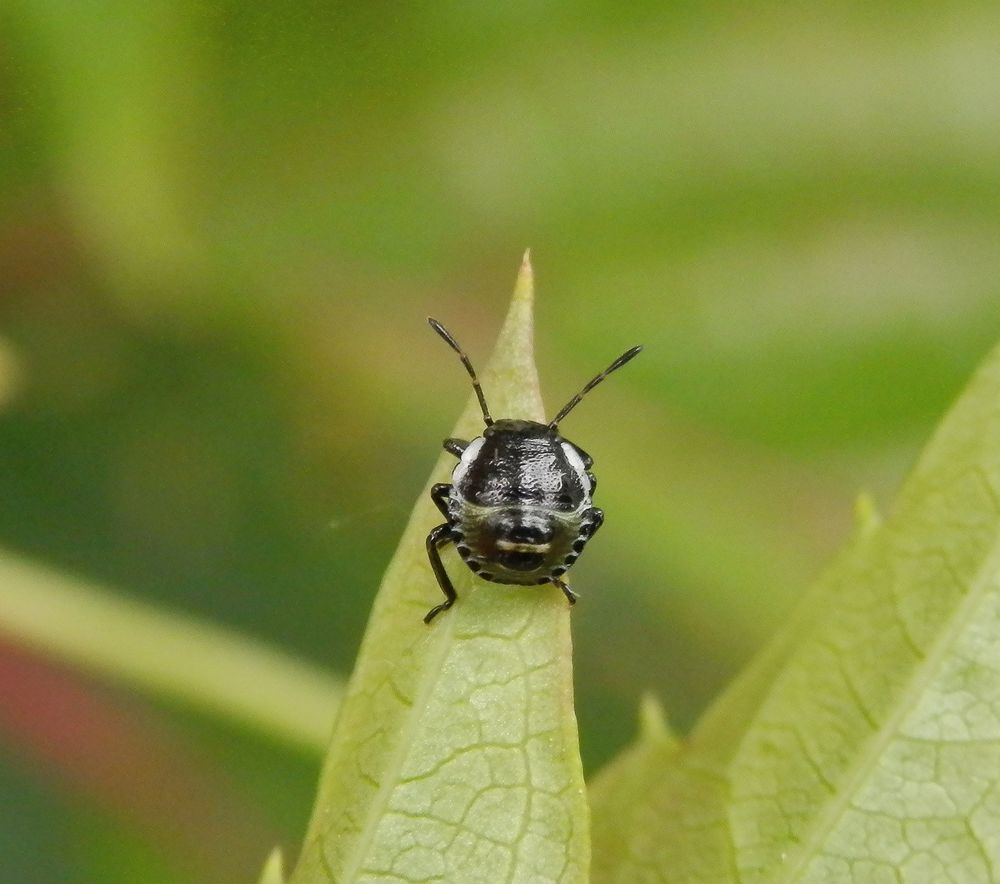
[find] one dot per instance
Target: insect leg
(439, 494)
(440, 535)
(455, 446)
(596, 520)
(571, 596)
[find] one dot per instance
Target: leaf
(622, 815)
(864, 743)
(273, 871)
(175, 656)
(648, 802)
(455, 757)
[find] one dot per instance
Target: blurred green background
(222, 226)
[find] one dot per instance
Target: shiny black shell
(520, 503)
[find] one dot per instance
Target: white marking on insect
(468, 456)
(508, 546)
(576, 462)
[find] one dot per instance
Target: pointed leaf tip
(510, 377)
(455, 755)
(524, 289)
(653, 725)
(621, 795)
(867, 517)
(274, 868)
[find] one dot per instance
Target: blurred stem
(171, 655)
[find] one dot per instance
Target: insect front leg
(439, 494)
(571, 596)
(438, 537)
(455, 446)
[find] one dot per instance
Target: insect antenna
(441, 330)
(569, 406)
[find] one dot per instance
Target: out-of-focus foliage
(221, 227)
(180, 658)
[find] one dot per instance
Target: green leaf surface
(455, 756)
(168, 654)
(864, 743)
(273, 871)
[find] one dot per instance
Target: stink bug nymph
(519, 507)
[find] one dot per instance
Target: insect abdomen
(520, 545)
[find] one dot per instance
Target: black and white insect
(519, 507)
